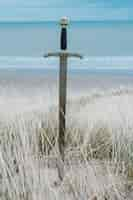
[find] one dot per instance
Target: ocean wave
(107, 62)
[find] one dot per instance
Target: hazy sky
(75, 9)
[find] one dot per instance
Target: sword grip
(64, 38)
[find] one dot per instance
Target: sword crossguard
(63, 54)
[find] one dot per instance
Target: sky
(39, 10)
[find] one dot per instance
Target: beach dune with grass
(98, 150)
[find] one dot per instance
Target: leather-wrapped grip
(63, 39)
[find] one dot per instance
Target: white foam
(108, 62)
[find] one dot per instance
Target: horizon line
(71, 21)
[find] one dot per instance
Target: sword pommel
(64, 21)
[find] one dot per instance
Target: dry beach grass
(99, 149)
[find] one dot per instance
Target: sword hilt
(63, 42)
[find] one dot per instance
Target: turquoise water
(29, 39)
(107, 47)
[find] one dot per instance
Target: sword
(63, 56)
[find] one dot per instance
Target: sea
(107, 64)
